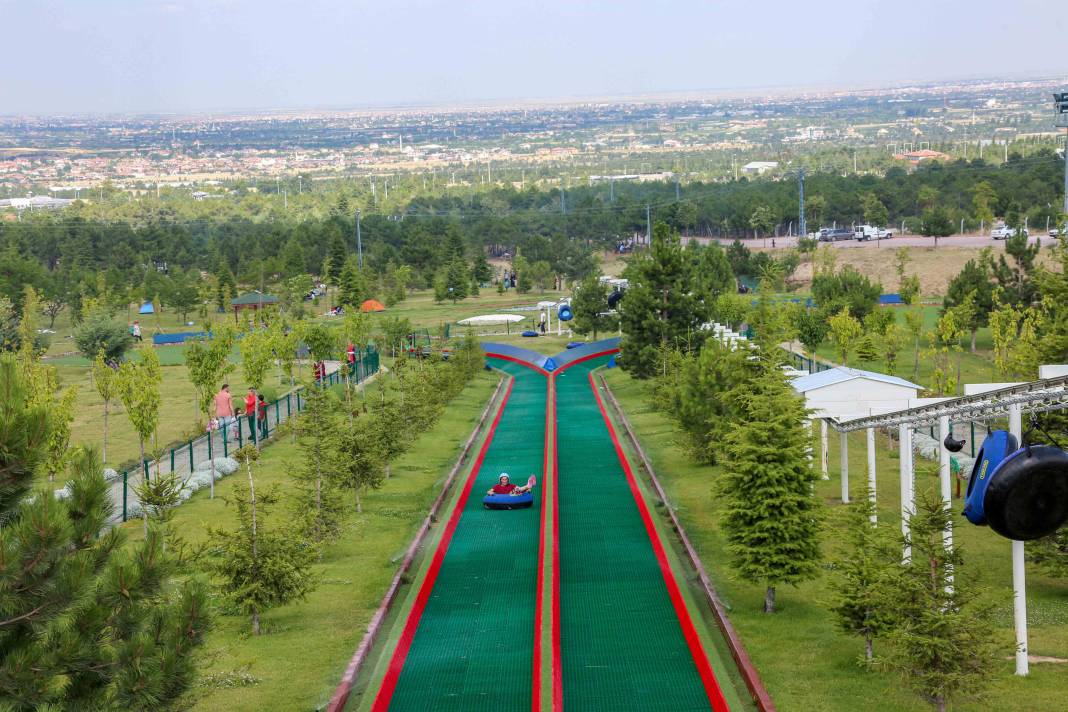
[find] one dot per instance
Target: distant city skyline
(189, 56)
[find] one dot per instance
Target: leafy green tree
(392, 430)
(321, 341)
(57, 447)
(942, 641)
(762, 220)
(395, 330)
(862, 585)
(815, 209)
(846, 288)
(811, 328)
(208, 362)
(771, 513)
(659, 307)
(590, 307)
(875, 213)
(891, 346)
(127, 596)
(936, 222)
(105, 380)
(260, 568)
(100, 334)
(540, 274)
(845, 330)
(138, 386)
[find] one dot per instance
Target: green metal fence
(221, 443)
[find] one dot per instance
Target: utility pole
(359, 241)
(801, 227)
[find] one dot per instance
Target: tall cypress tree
(85, 623)
(772, 516)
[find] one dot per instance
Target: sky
(133, 56)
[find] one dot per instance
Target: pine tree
(590, 307)
(1051, 553)
(481, 272)
(943, 642)
(293, 258)
(337, 256)
(866, 349)
(862, 601)
(86, 623)
(353, 287)
(659, 307)
(260, 567)
(772, 516)
(318, 506)
(360, 459)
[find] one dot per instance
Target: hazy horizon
(198, 56)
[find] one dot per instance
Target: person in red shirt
(250, 412)
(504, 486)
(261, 416)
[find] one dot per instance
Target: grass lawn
(805, 662)
(299, 660)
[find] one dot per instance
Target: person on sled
(505, 486)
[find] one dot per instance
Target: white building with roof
(759, 167)
(845, 393)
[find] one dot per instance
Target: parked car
(870, 232)
(1005, 232)
(1055, 232)
(833, 234)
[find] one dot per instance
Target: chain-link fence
(187, 458)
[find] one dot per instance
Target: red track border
(693, 641)
(538, 608)
(400, 653)
(521, 362)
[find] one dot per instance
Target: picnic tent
(372, 305)
(147, 308)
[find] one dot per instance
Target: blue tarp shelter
(147, 308)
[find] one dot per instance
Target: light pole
(1060, 103)
(359, 241)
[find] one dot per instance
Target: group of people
(255, 411)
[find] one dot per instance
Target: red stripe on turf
(521, 362)
(715, 695)
(400, 653)
(558, 677)
(536, 696)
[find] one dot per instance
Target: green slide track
(469, 642)
(627, 641)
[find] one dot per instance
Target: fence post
(289, 408)
(125, 487)
(144, 464)
(241, 435)
(172, 460)
(277, 413)
(209, 445)
(226, 452)
(191, 467)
